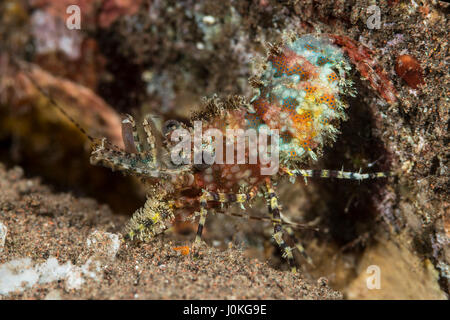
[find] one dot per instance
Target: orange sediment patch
(184, 250)
(409, 69)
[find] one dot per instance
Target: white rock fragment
(51, 270)
(17, 274)
(103, 244)
(21, 274)
(101, 249)
(209, 20)
(200, 46)
(3, 232)
(74, 278)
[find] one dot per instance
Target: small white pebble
(209, 20)
(109, 243)
(3, 232)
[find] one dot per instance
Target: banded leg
(298, 245)
(136, 163)
(287, 226)
(339, 174)
(130, 135)
(258, 218)
(203, 214)
(150, 141)
(277, 227)
(218, 197)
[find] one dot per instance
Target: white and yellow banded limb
(298, 245)
(284, 223)
(208, 196)
(130, 135)
(118, 160)
(274, 211)
(150, 140)
(339, 174)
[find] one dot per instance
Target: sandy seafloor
(92, 263)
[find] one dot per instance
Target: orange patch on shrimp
(329, 100)
(310, 89)
(332, 77)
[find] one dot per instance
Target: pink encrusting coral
(302, 84)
